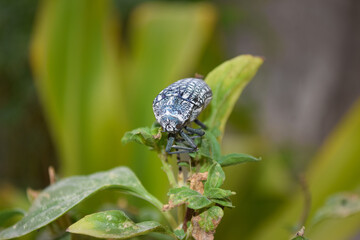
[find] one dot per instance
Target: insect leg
(182, 147)
(203, 126)
(169, 144)
(192, 137)
(180, 151)
(188, 139)
(199, 132)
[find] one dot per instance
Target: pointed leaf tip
(237, 158)
(114, 224)
(227, 82)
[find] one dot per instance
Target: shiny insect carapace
(176, 107)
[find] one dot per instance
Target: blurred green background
(75, 75)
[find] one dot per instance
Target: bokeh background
(75, 75)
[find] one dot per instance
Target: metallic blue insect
(177, 106)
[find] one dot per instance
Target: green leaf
(79, 83)
(63, 195)
(185, 195)
(65, 236)
(210, 146)
(226, 202)
(218, 193)
(227, 82)
(114, 224)
(338, 206)
(149, 137)
(209, 217)
(8, 214)
(212, 190)
(216, 177)
(299, 238)
(236, 158)
(335, 168)
(180, 234)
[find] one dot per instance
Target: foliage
(6, 215)
(114, 224)
(227, 81)
(332, 171)
(89, 85)
(202, 193)
(340, 205)
(57, 199)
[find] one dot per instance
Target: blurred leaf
(209, 217)
(185, 195)
(63, 195)
(334, 169)
(75, 61)
(227, 82)
(114, 224)
(338, 206)
(236, 158)
(66, 236)
(180, 234)
(12, 198)
(6, 215)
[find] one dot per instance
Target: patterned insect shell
(181, 103)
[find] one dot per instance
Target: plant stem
(170, 174)
(188, 215)
(168, 170)
(167, 215)
(170, 219)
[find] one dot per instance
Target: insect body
(178, 105)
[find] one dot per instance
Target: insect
(176, 107)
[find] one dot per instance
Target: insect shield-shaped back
(178, 105)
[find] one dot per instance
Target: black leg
(181, 151)
(199, 132)
(192, 137)
(188, 139)
(182, 147)
(169, 144)
(203, 126)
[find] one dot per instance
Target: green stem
(159, 206)
(170, 219)
(170, 174)
(168, 170)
